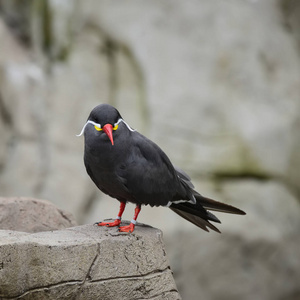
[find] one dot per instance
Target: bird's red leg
(130, 228)
(117, 221)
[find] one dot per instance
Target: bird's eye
(116, 127)
(97, 128)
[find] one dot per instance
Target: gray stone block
(86, 262)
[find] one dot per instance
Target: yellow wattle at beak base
(97, 128)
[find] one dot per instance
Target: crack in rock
(41, 288)
(138, 277)
(88, 275)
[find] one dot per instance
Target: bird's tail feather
(198, 213)
(196, 220)
(217, 206)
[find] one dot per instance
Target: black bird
(127, 166)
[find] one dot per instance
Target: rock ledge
(85, 262)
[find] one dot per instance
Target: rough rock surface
(86, 262)
(32, 215)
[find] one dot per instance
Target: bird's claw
(116, 222)
(128, 228)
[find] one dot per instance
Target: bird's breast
(104, 162)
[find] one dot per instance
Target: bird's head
(105, 118)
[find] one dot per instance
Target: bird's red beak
(107, 128)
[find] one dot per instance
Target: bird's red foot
(128, 228)
(116, 222)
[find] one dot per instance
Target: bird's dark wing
(184, 177)
(149, 176)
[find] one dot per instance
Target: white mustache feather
(99, 125)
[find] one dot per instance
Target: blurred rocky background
(215, 83)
